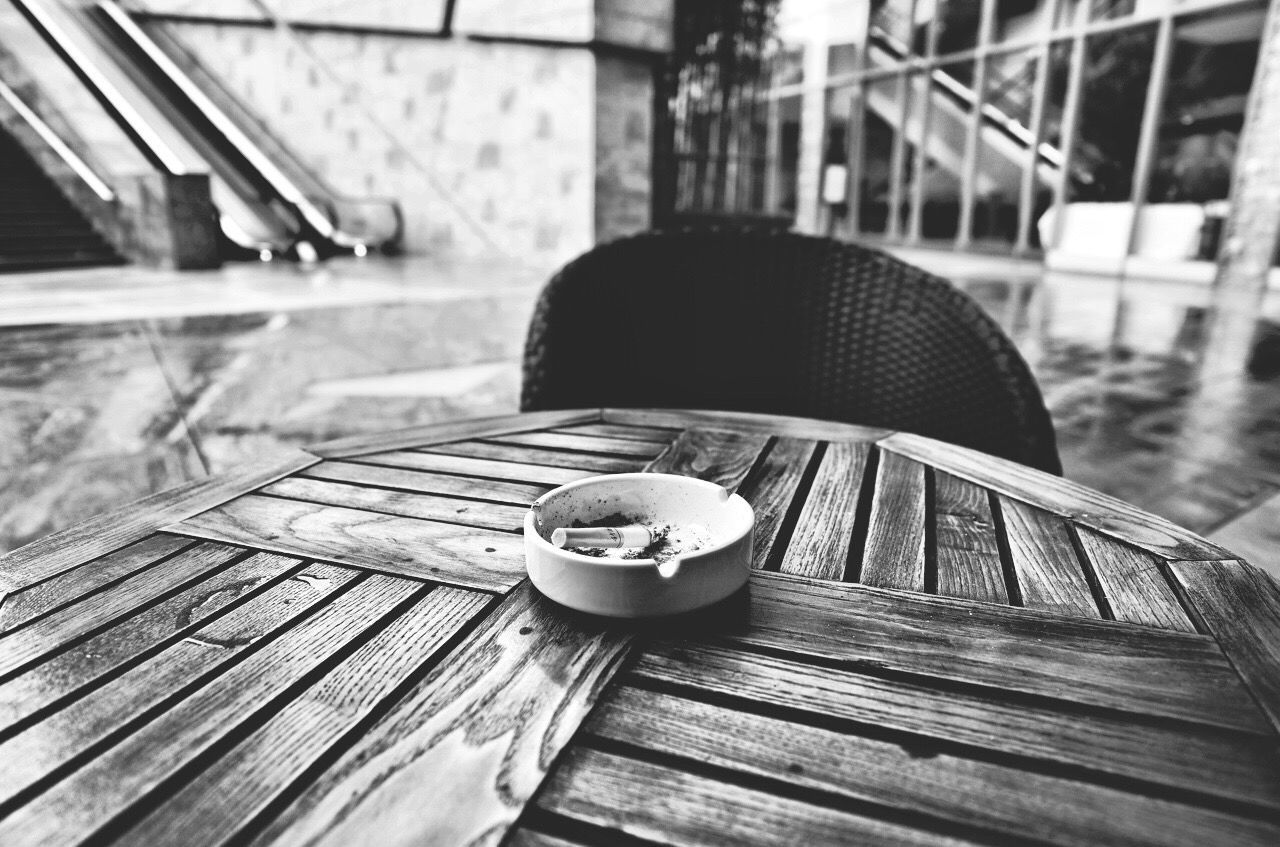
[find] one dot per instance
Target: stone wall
(485, 145)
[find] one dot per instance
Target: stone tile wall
(488, 146)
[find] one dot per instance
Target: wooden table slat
(780, 425)
(29, 603)
(1230, 765)
(618, 792)
(475, 513)
(238, 786)
(461, 556)
(65, 735)
(1240, 605)
(124, 643)
(1133, 583)
(718, 456)
(773, 493)
(819, 546)
(895, 552)
(1060, 496)
(64, 550)
(107, 786)
(655, 434)
(424, 482)
(580, 443)
(522, 837)
(541, 457)
(468, 466)
(418, 436)
(968, 553)
(1050, 576)
(1101, 663)
(1014, 802)
(479, 734)
(27, 644)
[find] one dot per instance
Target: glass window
(1210, 75)
(1002, 145)
(1117, 69)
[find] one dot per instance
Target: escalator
(1005, 139)
(39, 228)
(269, 203)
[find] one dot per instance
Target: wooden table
(938, 646)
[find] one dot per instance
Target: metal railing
(1068, 161)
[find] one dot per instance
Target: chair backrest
(785, 324)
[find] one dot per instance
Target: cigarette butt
(634, 535)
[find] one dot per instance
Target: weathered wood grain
(109, 784)
(104, 533)
(23, 646)
(29, 603)
(1101, 663)
(1230, 765)
(1131, 579)
(123, 644)
(1014, 802)
(519, 454)
(469, 488)
(482, 731)
(718, 456)
(479, 735)
(655, 434)
(488, 468)
(462, 556)
(64, 736)
(819, 546)
(581, 443)
(780, 425)
(1240, 605)
(663, 805)
(773, 492)
(418, 436)
(229, 794)
(968, 554)
(1050, 577)
(410, 505)
(1060, 496)
(894, 552)
(522, 837)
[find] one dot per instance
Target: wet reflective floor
(115, 384)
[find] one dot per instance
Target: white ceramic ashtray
(638, 544)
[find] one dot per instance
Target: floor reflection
(1150, 403)
(179, 375)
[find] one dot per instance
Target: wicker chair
(786, 324)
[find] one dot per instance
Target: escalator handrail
(78, 165)
(321, 193)
(957, 90)
(279, 182)
(149, 141)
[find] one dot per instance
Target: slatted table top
(937, 646)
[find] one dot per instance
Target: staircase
(39, 228)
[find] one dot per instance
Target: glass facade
(984, 122)
(987, 124)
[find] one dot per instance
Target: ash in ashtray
(669, 539)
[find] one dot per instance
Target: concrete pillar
(632, 38)
(1252, 227)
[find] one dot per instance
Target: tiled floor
(115, 383)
